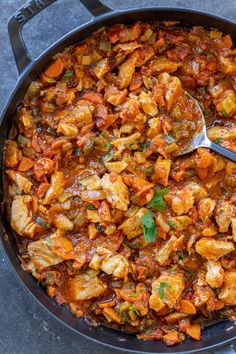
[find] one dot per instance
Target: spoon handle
(220, 150)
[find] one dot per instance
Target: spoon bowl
(200, 138)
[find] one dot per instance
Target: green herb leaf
(134, 308)
(161, 289)
(40, 221)
(90, 207)
(133, 295)
(149, 226)
(225, 114)
(68, 74)
(158, 202)
(171, 223)
(217, 140)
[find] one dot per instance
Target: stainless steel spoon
(200, 138)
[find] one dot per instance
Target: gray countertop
(24, 326)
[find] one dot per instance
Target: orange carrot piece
(136, 82)
(34, 204)
(112, 314)
(55, 69)
(194, 331)
(171, 338)
(93, 97)
(42, 189)
(26, 164)
(107, 304)
(227, 41)
(186, 306)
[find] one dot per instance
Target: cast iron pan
(214, 336)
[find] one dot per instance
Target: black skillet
(219, 334)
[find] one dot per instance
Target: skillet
(214, 336)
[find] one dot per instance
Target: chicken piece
(182, 222)
(84, 287)
(42, 255)
(204, 295)
(114, 96)
(116, 191)
(215, 274)
(148, 104)
(228, 291)
(155, 303)
(163, 64)
(169, 288)
(81, 115)
(224, 214)
(22, 183)
(95, 262)
(161, 171)
(91, 183)
(67, 129)
(56, 187)
(228, 66)
(198, 191)
(101, 68)
(123, 143)
(173, 88)
(126, 71)
(213, 249)
(93, 216)
(11, 157)
(233, 225)
(62, 222)
(117, 166)
(155, 125)
(117, 266)
(21, 216)
(181, 202)
(206, 207)
(132, 227)
(165, 251)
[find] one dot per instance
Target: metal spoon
(200, 138)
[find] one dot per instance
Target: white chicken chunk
(84, 287)
(116, 166)
(21, 216)
(213, 249)
(165, 251)
(122, 143)
(168, 289)
(91, 183)
(224, 213)
(42, 254)
(228, 291)
(132, 227)
(117, 266)
(198, 191)
(206, 207)
(56, 188)
(182, 201)
(215, 274)
(22, 183)
(117, 192)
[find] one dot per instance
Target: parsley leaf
(68, 74)
(134, 308)
(171, 223)
(149, 226)
(161, 289)
(133, 295)
(158, 202)
(90, 207)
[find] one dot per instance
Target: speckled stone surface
(25, 328)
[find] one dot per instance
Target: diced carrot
(93, 97)
(42, 189)
(136, 81)
(187, 307)
(159, 43)
(65, 244)
(55, 69)
(194, 331)
(34, 204)
(112, 314)
(26, 164)
(111, 303)
(51, 291)
(227, 41)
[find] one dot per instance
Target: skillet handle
(15, 25)
(29, 10)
